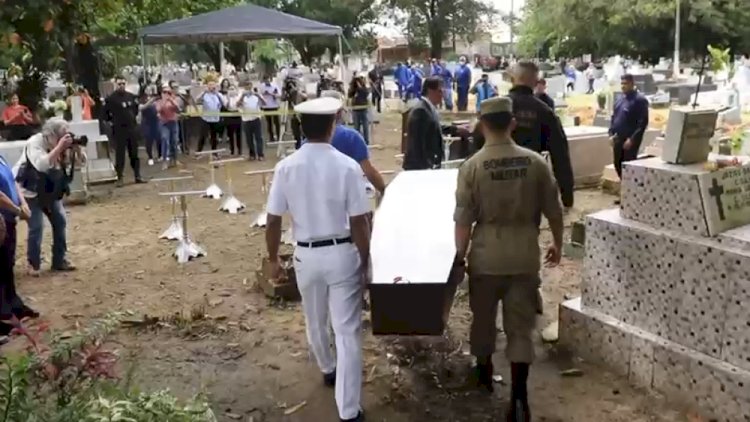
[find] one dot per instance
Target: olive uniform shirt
(503, 188)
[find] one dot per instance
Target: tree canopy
(642, 28)
(431, 22)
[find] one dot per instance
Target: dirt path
(250, 355)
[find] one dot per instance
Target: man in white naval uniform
(324, 192)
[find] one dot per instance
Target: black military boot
(519, 404)
(484, 371)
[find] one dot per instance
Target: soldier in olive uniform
(501, 193)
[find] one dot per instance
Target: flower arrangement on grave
(721, 61)
(58, 107)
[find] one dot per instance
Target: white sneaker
(150, 161)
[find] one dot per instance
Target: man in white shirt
(212, 102)
(270, 92)
(250, 104)
(325, 193)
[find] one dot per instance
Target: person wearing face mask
(121, 109)
(169, 114)
(270, 93)
(212, 102)
(463, 84)
(233, 123)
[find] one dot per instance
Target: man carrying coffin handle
(333, 247)
(501, 192)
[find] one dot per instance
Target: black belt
(327, 242)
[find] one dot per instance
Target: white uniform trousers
(329, 281)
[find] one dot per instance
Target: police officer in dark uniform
(121, 108)
(538, 129)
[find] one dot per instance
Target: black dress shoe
(359, 418)
(329, 380)
(518, 412)
(26, 312)
(140, 180)
(64, 267)
(484, 373)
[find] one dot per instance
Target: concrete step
(719, 390)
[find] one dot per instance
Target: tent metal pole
(221, 58)
(144, 61)
(341, 59)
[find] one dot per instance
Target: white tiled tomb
(662, 303)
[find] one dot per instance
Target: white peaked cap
(319, 106)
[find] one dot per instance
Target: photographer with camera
(41, 174)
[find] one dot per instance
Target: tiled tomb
(661, 302)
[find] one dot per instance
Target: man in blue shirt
(629, 122)
(402, 79)
(447, 77)
(351, 143)
(463, 84)
(435, 68)
(12, 205)
(483, 90)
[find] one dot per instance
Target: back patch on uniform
(507, 168)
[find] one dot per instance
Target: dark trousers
(296, 132)
(126, 139)
(234, 134)
(462, 102)
(253, 137)
(377, 98)
(273, 122)
(621, 155)
(212, 129)
(591, 86)
(10, 303)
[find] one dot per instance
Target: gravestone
(645, 83)
(688, 134)
(666, 286)
(590, 151)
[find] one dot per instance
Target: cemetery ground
(205, 326)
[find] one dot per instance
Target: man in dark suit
(424, 143)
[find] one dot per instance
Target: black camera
(80, 140)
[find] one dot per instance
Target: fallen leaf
(295, 408)
(233, 416)
(215, 302)
(572, 372)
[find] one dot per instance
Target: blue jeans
(170, 135)
(448, 98)
(361, 121)
(56, 215)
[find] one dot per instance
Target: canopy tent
(244, 22)
(238, 23)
